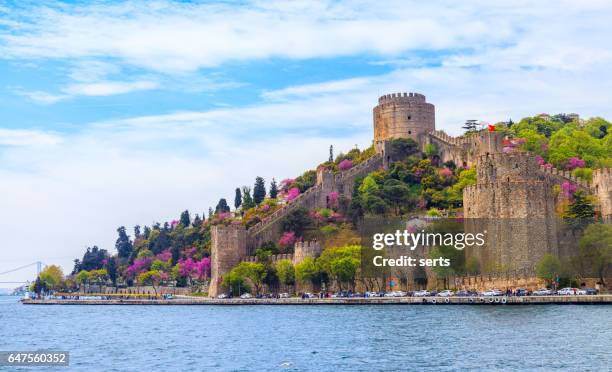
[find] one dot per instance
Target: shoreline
(500, 300)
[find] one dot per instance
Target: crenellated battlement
(301, 250)
(401, 98)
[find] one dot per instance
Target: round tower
(402, 115)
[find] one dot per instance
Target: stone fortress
(509, 186)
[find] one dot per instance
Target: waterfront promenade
(479, 300)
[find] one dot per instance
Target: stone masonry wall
(228, 247)
(602, 185)
(402, 115)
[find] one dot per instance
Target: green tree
(52, 277)
(237, 198)
(236, 283)
(273, 189)
(548, 268)
(430, 150)
(99, 276)
(595, 249)
(185, 220)
(152, 278)
(306, 270)
(247, 200)
(82, 277)
(285, 272)
(297, 220)
(581, 211)
(340, 263)
(255, 272)
(111, 267)
(402, 148)
(222, 206)
(123, 244)
(259, 191)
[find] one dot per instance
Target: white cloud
(42, 97)
(24, 137)
(175, 38)
(108, 88)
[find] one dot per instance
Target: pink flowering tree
(292, 194)
(203, 268)
(446, 173)
(574, 162)
(540, 160)
(333, 199)
(345, 164)
(285, 184)
(164, 256)
(568, 189)
(140, 265)
(287, 240)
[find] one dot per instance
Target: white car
(446, 293)
(423, 293)
(492, 292)
(223, 295)
(246, 295)
(284, 295)
(571, 291)
(542, 292)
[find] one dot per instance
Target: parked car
(445, 293)
(581, 292)
(542, 292)
(308, 295)
(223, 295)
(521, 292)
(245, 295)
(462, 293)
(284, 295)
(590, 291)
(492, 292)
(423, 293)
(567, 291)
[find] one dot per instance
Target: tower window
(409, 132)
(409, 117)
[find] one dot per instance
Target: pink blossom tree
(292, 194)
(287, 239)
(568, 189)
(345, 164)
(574, 162)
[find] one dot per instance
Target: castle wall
(515, 205)
(402, 115)
(228, 247)
(602, 185)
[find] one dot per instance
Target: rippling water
(388, 337)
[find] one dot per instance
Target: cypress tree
(273, 189)
(237, 198)
(259, 191)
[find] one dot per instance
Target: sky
(127, 113)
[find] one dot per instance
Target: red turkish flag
(491, 128)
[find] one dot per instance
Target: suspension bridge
(36, 264)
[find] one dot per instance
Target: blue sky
(125, 113)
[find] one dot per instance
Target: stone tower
(228, 247)
(602, 183)
(402, 115)
(515, 205)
